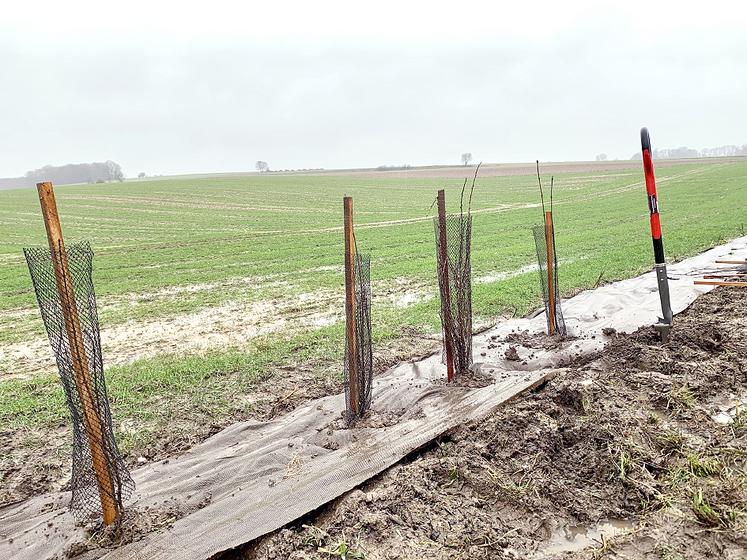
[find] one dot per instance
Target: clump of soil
(372, 419)
(511, 354)
(537, 340)
(470, 378)
(131, 527)
(625, 438)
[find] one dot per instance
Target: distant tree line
(96, 172)
(684, 152)
(394, 167)
(264, 167)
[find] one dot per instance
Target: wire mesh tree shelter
(64, 289)
(358, 346)
(454, 271)
(547, 261)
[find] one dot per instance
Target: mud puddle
(575, 538)
(229, 325)
(732, 410)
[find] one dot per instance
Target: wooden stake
(717, 283)
(717, 276)
(550, 273)
(731, 262)
(350, 321)
(444, 278)
(83, 382)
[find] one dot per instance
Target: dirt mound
(134, 524)
(619, 456)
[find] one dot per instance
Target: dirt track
(636, 453)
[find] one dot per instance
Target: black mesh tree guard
(93, 418)
(455, 286)
(553, 311)
(363, 352)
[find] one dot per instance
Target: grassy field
(272, 246)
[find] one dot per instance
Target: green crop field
(240, 278)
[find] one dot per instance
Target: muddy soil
(638, 452)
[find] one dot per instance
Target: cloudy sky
(178, 87)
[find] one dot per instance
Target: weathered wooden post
(94, 426)
(547, 262)
(443, 278)
(549, 240)
(350, 320)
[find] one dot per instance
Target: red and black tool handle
(653, 201)
(660, 266)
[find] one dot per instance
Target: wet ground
(638, 452)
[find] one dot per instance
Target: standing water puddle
(727, 411)
(578, 537)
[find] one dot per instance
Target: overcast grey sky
(178, 87)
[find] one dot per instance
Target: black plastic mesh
(363, 354)
(455, 286)
(540, 240)
(89, 409)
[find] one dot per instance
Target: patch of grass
(678, 475)
(680, 398)
(626, 457)
(667, 552)
(739, 424)
(316, 537)
(708, 515)
(625, 464)
(343, 550)
(514, 490)
(703, 510)
(444, 447)
(704, 466)
(654, 419)
(670, 440)
(170, 395)
(604, 548)
(454, 474)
